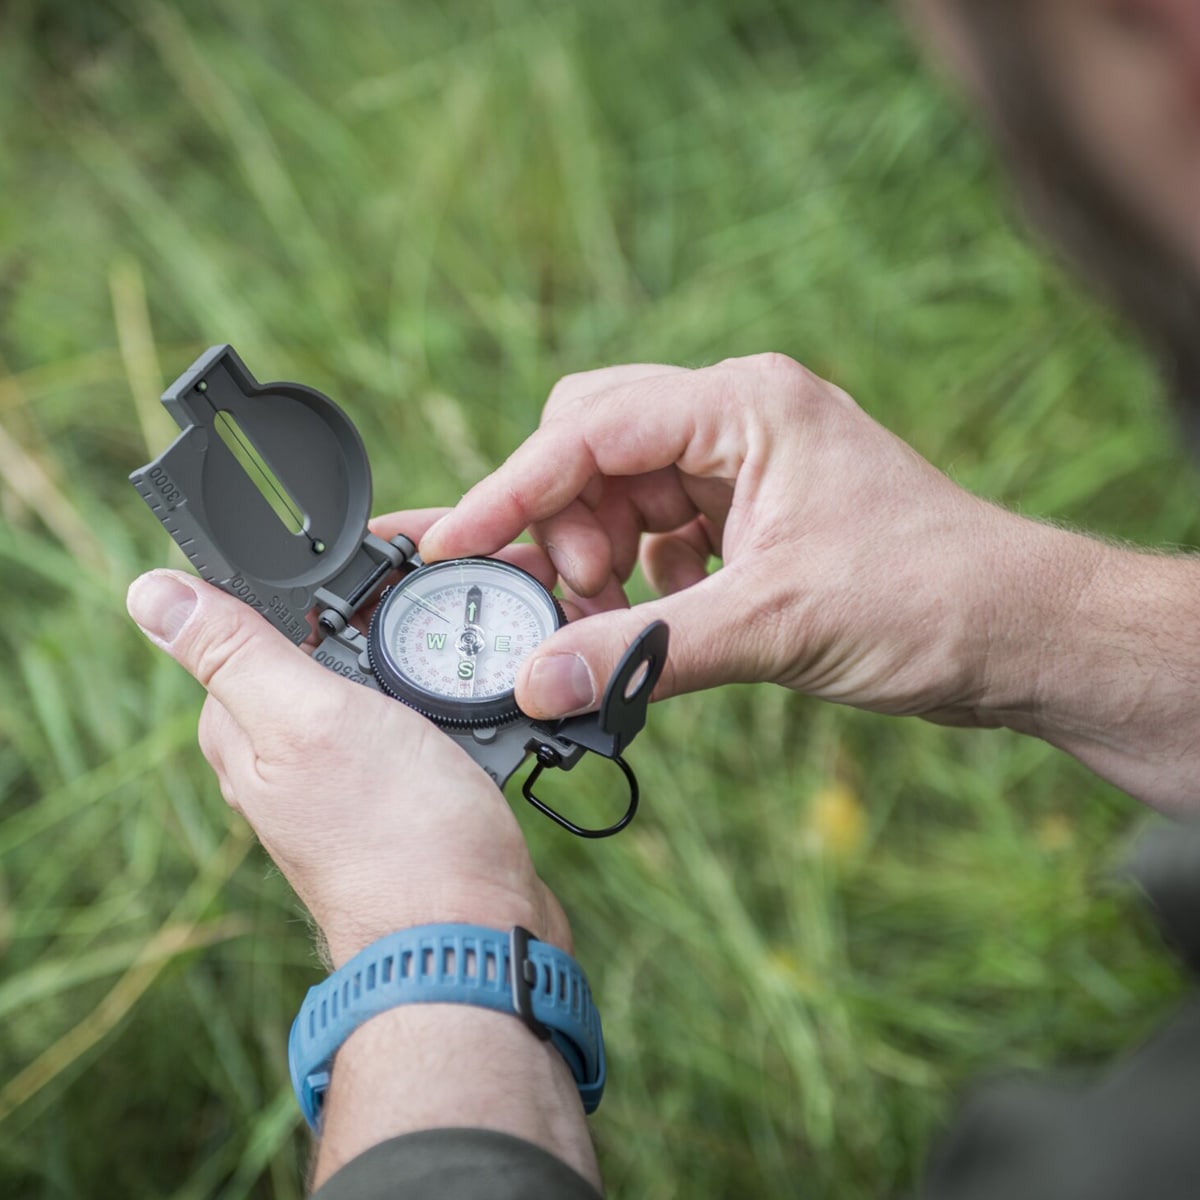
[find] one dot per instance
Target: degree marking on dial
(431, 663)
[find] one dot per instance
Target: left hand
(377, 819)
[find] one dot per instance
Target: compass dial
(450, 638)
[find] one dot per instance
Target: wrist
(1104, 663)
(450, 1026)
(440, 1066)
(1033, 622)
(359, 920)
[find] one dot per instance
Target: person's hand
(853, 569)
(380, 822)
(377, 819)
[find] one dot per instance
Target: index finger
(412, 523)
(684, 419)
(587, 383)
(415, 521)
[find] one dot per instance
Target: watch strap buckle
(523, 972)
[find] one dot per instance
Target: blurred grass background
(824, 923)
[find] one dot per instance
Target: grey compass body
(267, 490)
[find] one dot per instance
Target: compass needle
(474, 605)
(430, 609)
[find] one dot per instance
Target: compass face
(450, 638)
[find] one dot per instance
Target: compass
(268, 491)
(449, 639)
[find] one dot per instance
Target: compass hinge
(360, 580)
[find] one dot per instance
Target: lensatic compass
(450, 639)
(268, 491)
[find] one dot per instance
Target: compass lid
(267, 489)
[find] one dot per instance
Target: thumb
(714, 640)
(247, 664)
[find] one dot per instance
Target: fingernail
(161, 605)
(562, 685)
(564, 564)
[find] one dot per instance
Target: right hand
(853, 569)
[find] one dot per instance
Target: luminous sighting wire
(228, 423)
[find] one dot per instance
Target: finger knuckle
(313, 728)
(517, 498)
(321, 723)
(219, 648)
(788, 391)
(782, 371)
(774, 385)
(568, 389)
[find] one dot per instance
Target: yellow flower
(1054, 833)
(837, 822)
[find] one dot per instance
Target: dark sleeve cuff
(457, 1164)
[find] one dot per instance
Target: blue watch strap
(450, 964)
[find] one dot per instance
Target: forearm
(439, 1066)
(1101, 658)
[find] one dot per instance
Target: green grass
(431, 211)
